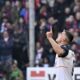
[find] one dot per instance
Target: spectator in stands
(16, 73)
(24, 12)
(77, 54)
(77, 20)
(6, 10)
(19, 47)
(75, 6)
(6, 50)
(59, 13)
(3, 25)
(40, 31)
(39, 53)
(71, 30)
(43, 11)
(46, 62)
(73, 22)
(76, 38)
(15, 10)
(69, 22)
(52, 23)
(1, 3)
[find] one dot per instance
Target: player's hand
(49, 33)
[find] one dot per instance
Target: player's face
(61, 37)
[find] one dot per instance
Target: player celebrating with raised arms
(64, 55)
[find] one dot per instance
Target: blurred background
(23, 24)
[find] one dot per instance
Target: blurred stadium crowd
(14, 33)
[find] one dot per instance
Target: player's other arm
(58, 49)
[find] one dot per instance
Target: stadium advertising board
(76, 75)
(47, 73)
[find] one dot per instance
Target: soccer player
(64, 55)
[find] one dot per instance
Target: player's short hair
(69, 36)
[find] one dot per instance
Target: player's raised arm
(53, 43)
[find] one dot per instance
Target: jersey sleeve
(66, 50)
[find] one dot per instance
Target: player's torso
(66, 61)
(64, 67)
